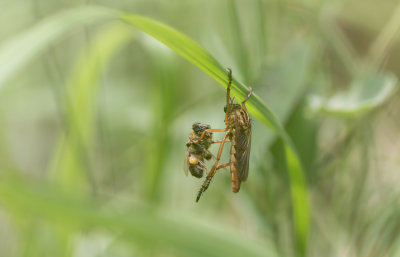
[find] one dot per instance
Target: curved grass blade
(24, 47)
(80, 106)
(196, 54)
(19, 50)
(365, 94)
(175, 232)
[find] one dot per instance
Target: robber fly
(238, 132)
(197, 150)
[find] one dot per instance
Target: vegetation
(97, 104)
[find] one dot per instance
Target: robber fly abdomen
(239, 126)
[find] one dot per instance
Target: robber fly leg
(223, 166)
(228, 94)
(209, 178)
(213, 169)
(247, 98)
(220, 141)
(207, 131)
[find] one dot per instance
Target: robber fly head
(232, 107)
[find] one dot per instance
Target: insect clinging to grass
(237, 131)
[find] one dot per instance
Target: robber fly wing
(242, 153)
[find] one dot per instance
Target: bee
(197, 150)
(238, 132)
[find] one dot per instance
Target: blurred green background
(95, 114)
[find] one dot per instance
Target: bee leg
(213, 169)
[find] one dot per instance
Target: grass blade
(83, 87)
(196, 54)
(239, 46)
(178, 233)
(24, 47)
(364, 95)
(18, 51)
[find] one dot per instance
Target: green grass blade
(19, 50)
(239, 46)
(364, 95)
(24, 47)
(171, 231)
(165, 94)
(379, 49)
(69, 168)
(340, 43)
(196, 54)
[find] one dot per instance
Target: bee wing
(242, 151)
(186, 164)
